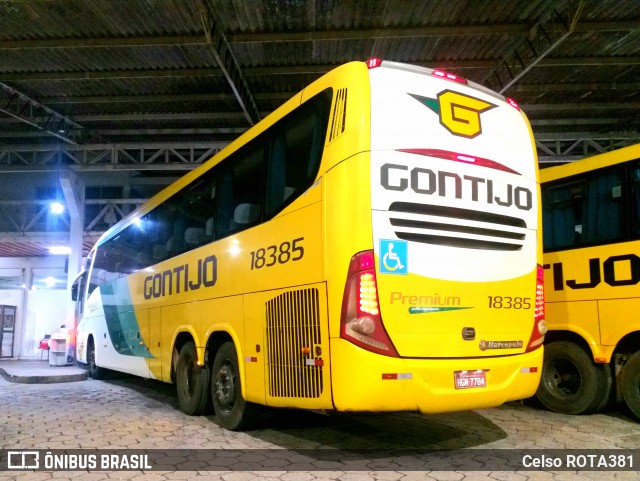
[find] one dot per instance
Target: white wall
(40, 311)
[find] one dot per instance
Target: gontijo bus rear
(387, 259)
(447, 276)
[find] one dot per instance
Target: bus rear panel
(439, 313)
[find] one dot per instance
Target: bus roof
(590, 163)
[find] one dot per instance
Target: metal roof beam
(126, 156)
(62, 43)
(108, 99)
(151, 117)
(141, 131)
(542, 39)
(227, 62)
(560, 87)
(293, 70)
(434, 31)
(113, 74)
(186, 40)
(28, 111)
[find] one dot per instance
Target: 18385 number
(507, 302)
(277, 254)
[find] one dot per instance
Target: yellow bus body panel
(604, 314)
(430, 388)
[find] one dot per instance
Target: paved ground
(131, 413)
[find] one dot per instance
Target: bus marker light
(314, 362)
(251, 359)
(513, 103)
(529, 370)
(374, 62)
(449, 76)
(305, 350)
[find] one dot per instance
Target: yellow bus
(372, 245)
(591, 220)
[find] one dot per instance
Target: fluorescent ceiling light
(59, 250)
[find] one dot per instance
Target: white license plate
(470, 379)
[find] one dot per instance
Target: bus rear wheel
(95, 372)
(630, 384)
(192, 381)
(571, 383)
(232, 411)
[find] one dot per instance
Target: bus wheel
(630, 384)
(192, 381)
(571, 383)
(232, 411)
(95, 372)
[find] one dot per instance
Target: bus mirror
(74, 292)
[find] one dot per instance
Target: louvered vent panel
(455, 227)
(293, 323)
(338, 119)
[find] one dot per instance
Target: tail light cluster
(539, 324)
(361, 322)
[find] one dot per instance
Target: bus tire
(571, 383)
(630, 384)
(95, 372)
(232, 410)
(192, 381)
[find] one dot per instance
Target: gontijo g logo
(459, 114)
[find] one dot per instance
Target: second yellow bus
(591, 218)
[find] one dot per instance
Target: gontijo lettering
(182, 279)
(449, 184)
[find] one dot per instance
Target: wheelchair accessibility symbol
(394, 256)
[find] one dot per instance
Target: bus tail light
(539, 324)
(361, 322)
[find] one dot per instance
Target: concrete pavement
(39, 372)
(130, 413)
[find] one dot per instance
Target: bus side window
(602, 220)
(559, 217)
(239, 202)
(296, 146)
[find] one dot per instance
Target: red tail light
(449, 76)
(361, 323)
(539, 324)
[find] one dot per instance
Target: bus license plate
(470, 379)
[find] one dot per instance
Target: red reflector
(397, 375)
(513, 103)
(449, 76)
(374, 62)
(447, 155)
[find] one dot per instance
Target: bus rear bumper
(366, 381)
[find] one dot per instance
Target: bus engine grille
(455, 227)
(293, 332)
